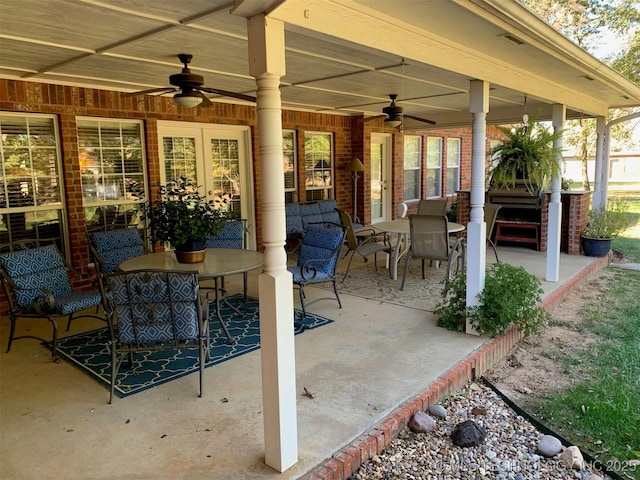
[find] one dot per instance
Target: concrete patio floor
(374, 359)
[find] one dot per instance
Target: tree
(585, 22)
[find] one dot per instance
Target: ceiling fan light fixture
(188, 100)
(393, 121)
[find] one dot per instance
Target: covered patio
(367, 370)
(314, 66)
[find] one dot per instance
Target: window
(453, 165)
(30, 179)
(412, 153)
(290, 166)
(318, 152)
(434, 167)
(112, 170)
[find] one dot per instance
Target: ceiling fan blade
(430, 122)
(151, 90)
(226, 93)
(205, 101)
(368, 119)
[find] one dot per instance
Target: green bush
(451, 311)
(510, 296)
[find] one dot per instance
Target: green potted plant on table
(526, 155)
(184, 218)
(605, 223)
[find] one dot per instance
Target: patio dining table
(218, 263)
(402, 228)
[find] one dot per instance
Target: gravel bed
(509, 450)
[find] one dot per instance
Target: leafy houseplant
(526, 154)
(604, 225)
(510, 296)
(182, 217)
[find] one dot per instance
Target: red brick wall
(351, 138)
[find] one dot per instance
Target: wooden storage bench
(518, 231)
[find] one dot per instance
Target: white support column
(554, 219)
(476, 228)
(598, 181)
(267, 65)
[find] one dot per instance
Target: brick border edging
(345, 463)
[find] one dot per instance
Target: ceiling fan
(189, 89)
(393, 114)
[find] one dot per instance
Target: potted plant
(604, 225)
(184, 218)
(526, 155)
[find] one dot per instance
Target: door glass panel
(377, 207)
(225, 170)
(179, 158)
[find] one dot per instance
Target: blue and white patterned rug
(90, 350)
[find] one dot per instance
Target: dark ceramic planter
(596, 247)
(192, 251)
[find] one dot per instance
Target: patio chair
(365, 244)
(232, 236)
(429, 240)
(150, 310)
(403, 209)
(435, 206)
(318, 259)
(490, 216)
(110, 247)
(37, 285)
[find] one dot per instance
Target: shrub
(510, 296)
(451, 311)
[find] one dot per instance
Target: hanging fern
(526, 154)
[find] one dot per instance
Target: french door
(218, 157)
(380, 197)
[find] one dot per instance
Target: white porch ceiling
(343, 56)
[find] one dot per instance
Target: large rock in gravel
(549, 446)
(468, 434)
(421, 422)
(572, 458)
(438, 411)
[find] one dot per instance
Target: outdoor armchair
(111, 247)
(37, 285)
(318, 259)
(150, 310)
(434, 206)
(429, 240)
(490, 217)
(232, 236)
(367, 242)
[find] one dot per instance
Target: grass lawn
(601, 412)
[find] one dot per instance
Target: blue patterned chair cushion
(310, 213)
(294, 220)
(116, 246)
(319, 254)
(155, 307)
(76, 301)
(231, 236)
(36, 269)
